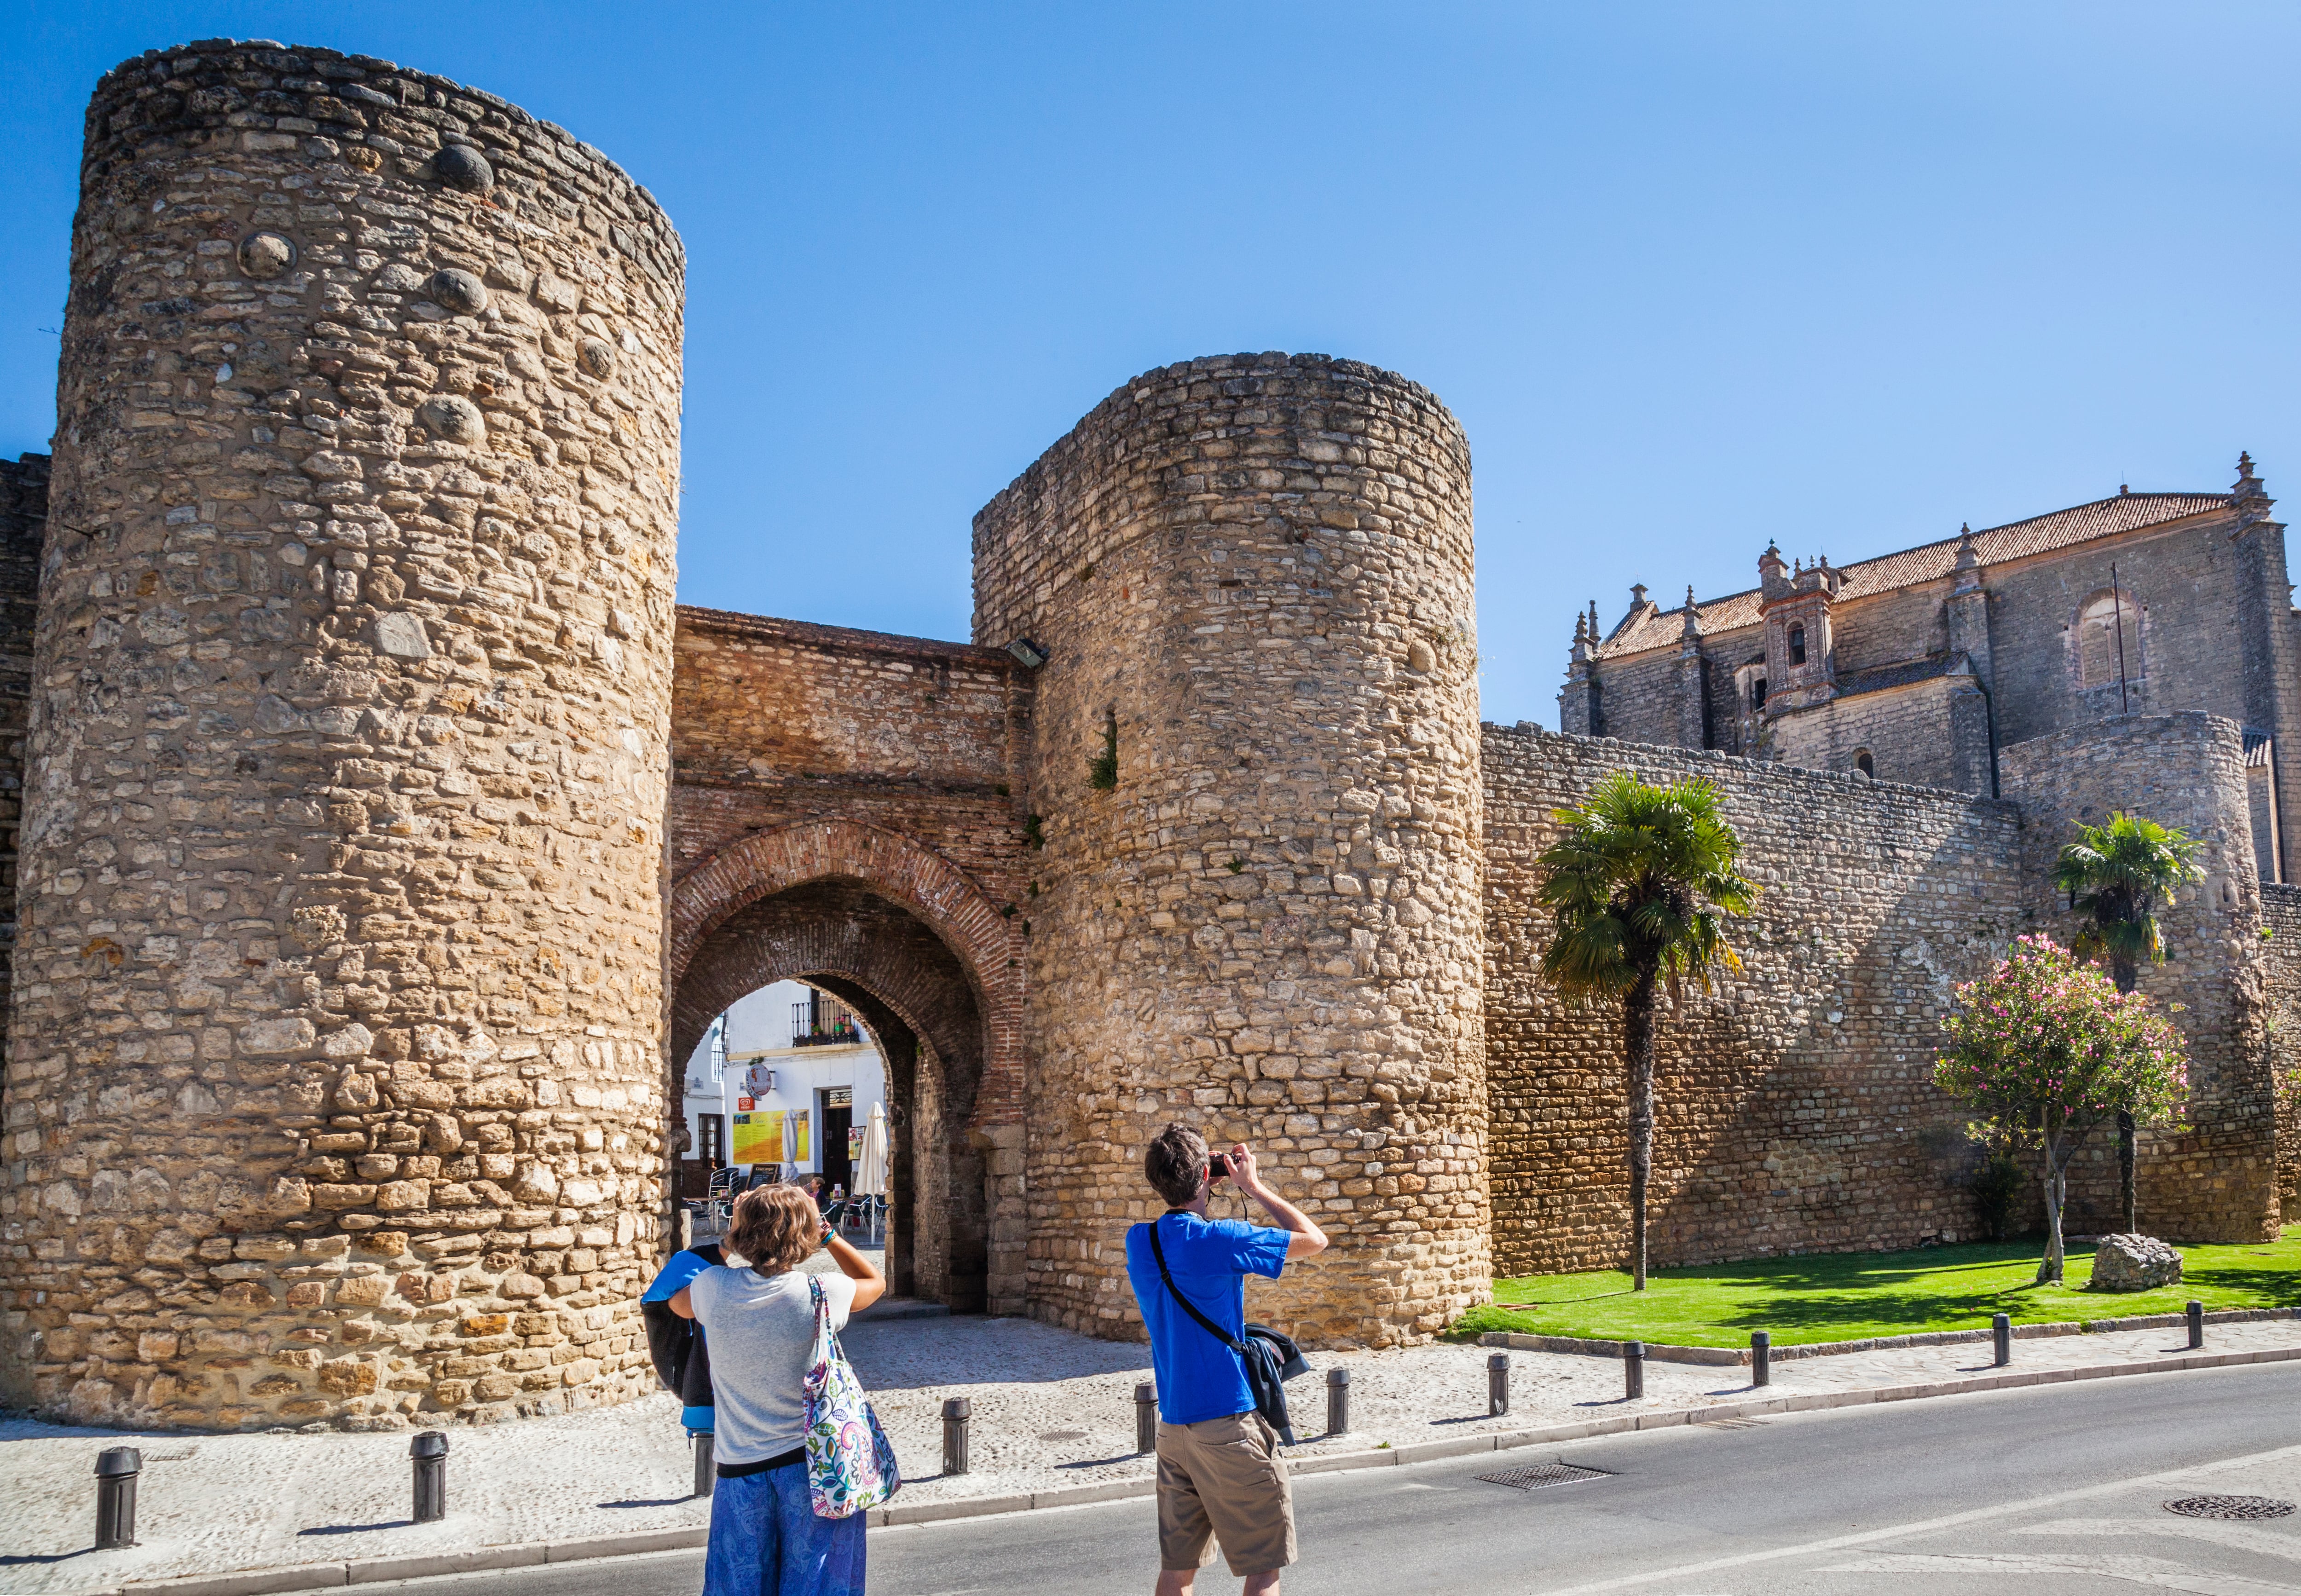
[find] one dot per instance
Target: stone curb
(1727, 1357)
(311, 1576)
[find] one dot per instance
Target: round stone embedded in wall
(460, 166)
(1420, 656)
(266, 254)
(455, 418)
(597, 356)
(459, 290)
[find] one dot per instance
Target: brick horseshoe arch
(922, 881)
(977, 938)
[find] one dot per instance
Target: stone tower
(1256, 776)
(333, 1085)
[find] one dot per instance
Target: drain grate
(1064, 1435)
(2229, 1506)
(1535, 1476)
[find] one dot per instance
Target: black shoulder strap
(1189, 1308)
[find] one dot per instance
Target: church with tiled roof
(1921, 666)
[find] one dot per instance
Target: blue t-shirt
(1199, 1378)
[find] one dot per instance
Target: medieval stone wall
(2280, 921)
(1797, 1105)
(2215, 1179)
(814, 755)
(334, 1078)
(23, 532)
(1250, 578)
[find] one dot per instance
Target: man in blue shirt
(1220, 1476)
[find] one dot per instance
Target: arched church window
(2109, 623)
(1797, 644)
(1863, 763)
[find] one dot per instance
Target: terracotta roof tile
(2126, 513)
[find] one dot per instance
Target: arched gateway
(843, 813)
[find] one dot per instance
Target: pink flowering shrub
(2043, 1048)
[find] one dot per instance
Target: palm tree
(2117, 875)
(1640, 883)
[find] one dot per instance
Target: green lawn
(1830, 1297)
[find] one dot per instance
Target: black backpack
(1271, 1359)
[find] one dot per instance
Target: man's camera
(1219, 1168)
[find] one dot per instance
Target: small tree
(1640, 883)
(2117, 875)
(2043, 1048)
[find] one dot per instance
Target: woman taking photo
(759, 1321)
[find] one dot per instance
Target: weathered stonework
(2216, 1177)
(384, 819)
(333, 1080)
(1255, 571)
(1797, 1106)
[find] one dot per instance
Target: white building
(785, 1075)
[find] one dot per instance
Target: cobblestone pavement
(1051, 1410)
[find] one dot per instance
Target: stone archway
(931, 964)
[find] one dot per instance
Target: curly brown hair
(774, 1228)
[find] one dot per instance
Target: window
(2109, 621)
(711, 1137)
(1863, 763)
(1797, 644)
(1757, 692)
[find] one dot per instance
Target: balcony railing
(823, 1023)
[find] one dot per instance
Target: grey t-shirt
(760, 1330)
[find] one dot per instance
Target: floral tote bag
(850, 1466)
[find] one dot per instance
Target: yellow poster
(759, 1137)
(795, 1142)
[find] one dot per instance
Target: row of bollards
(118, 1468)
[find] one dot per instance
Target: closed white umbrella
(871, 1169)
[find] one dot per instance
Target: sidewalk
(1054, 1420)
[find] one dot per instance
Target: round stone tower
(333, 1088)
(1256, 777)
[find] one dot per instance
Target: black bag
(1268, 1357)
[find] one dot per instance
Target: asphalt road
(2036, 1492)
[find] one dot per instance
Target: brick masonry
(805, 755)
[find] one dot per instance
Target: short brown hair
(774, 1228)
(1175, 1164)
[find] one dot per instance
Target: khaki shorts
(1222, 1479)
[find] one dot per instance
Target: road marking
(2244, 1537)
(2155, 1572)
(1928, 1525)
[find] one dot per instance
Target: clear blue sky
(1691, 276)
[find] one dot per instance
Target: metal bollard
(1634, 1369)
(116, 1469)
(430, 1450)
(955, 1412)
(2001, 1332)
(706, 1473)
(1146, 1417)
(2196, 1324)
(1762, 1358)
(1497, 1384)
(1338, 1401)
